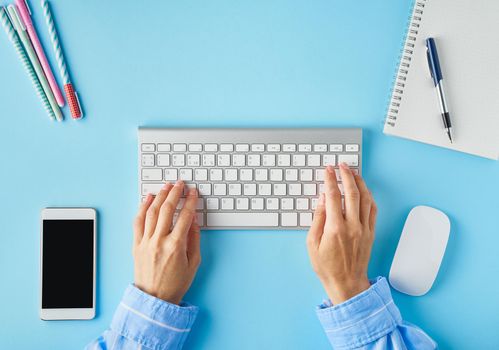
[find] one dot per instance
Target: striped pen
(71, 95)
(14, 38)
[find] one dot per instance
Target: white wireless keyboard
(247, 178)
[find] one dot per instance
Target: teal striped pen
(14, 38)
(21, 32)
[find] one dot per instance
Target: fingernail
(148, 197)
(195, 219)
(166, 185)
(179, 183)
(330, 169)
(344, 165)
(192, 192)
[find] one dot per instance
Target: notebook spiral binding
(405, 59)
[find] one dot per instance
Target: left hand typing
(166, 258)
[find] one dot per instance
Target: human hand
(339, 243)
(166, 259)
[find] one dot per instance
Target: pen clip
(428, 58)
(27, 6)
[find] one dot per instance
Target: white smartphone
(67, 263)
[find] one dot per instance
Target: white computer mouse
(420, 251)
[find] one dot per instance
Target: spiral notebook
(467, 34)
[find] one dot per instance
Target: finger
(138, 225)
(167, 210)
(352, 194)
(317, 228)
(365, 200)
(153, 210)
(332, 197)
(372, 216)
(186, 216)
(193, 243)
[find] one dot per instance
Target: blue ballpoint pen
(436, 74)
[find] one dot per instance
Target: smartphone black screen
(67, 264)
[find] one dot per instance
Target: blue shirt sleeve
(142, 321)
(371, 320)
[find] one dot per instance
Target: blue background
(243, 64)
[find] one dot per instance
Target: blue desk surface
(240, 64)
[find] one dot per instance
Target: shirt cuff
(362, 319)
(152, 322)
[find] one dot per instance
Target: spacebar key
(242, 219)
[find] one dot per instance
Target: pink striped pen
(25, 13)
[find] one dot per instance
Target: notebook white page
(467, 38)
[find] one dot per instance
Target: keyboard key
(201, 175)
(352, 148)
(238, 160)
(208, 160)
(314, 203)
(148, 147)
(284, 160)
(178, 160)
(211, 147)
(304, 148)
(242, 147)
(314, 160)
(279, 189)
(215, 174)
(336, 148)
(309, 189)
(185, 174)
(298, 160)
(287, 204)
(249, 189)
(320, 148)
(291, 175)
(212, 203)
(223, 159)
(273, 147)
(235, 189)
(179, 147)
(200, 204)
(288, 148)
(204, 189)
(220, 189)
(242, 204)
(188, 187)
(164, 147)
(257, 203)
(264, 189)
(195, 147)
(289, 219)
(200, 217)
(275, 174)
(268, 160)
(306, 175)
(242, 219)
(253, 160)
(163, 159)
(302, 203)
(193, 160)
(261, 174)
(258, 147)
(171, 175)
(148, 160)
(152, 174)
(272, 203)
(319, 174)
(246, 175)
(151, 188)
(230, 174)
(227, 203)
(294, 189)
(305, 219)
(328, 159)
(349, 159)
(226, 147)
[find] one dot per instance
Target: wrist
(340, 291)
